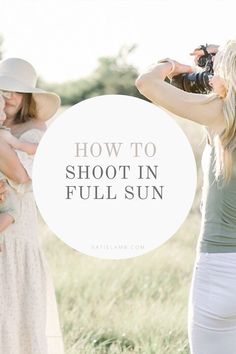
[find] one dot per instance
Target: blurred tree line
(113, 75)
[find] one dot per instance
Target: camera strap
(204, 48)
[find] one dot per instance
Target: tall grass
(128, 306)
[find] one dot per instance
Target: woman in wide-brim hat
(28, 312)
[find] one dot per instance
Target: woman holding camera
(212, 304)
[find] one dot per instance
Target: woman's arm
(192, 106)
(17, 144)
(10, 164)
(29, 148)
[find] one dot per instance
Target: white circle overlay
(114, 177)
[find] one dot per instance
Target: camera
(197, 82)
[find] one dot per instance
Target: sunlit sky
(64, 39)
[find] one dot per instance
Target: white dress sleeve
(30, 136)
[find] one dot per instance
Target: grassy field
(128, 306)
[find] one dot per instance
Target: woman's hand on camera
(198, 52)
(180, 68)
(177, 68)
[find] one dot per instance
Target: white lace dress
(28, 311)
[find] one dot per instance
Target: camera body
(197, 82)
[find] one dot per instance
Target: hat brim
(47, 103)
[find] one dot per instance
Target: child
(7, 210)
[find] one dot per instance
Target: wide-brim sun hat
(18, 75)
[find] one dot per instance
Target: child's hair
(225, 143)
(28, 110)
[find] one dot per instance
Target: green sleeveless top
(218, 208)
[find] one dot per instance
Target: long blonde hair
(225, 142)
